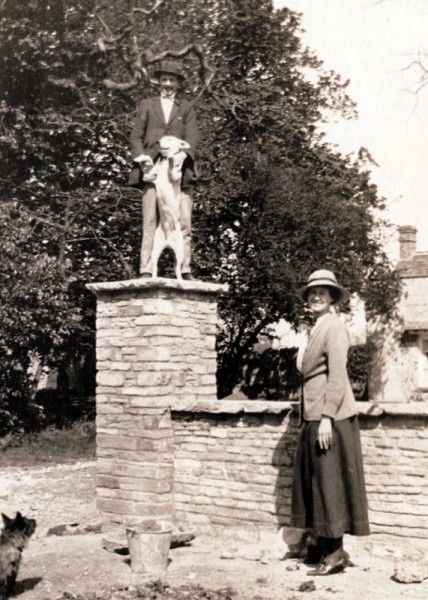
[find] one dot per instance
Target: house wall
(233, 465)
(414, 303)
(394, 375)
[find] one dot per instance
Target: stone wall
(233, 462)
(395, 446)
(166, 447)
(233, 465)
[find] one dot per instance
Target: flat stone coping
(411, 409)
(158, 283)
(233, 407)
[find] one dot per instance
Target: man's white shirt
(167, 104)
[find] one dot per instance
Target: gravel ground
(239, 564)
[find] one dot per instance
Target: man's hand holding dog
(144, 161)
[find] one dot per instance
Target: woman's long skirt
(329, 494)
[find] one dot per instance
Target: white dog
(166, 174)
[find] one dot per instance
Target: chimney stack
(407, 241)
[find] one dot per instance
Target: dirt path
(52, 565)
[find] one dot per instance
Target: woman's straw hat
(326, 278)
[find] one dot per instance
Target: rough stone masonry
(155, 343)
(167, 447)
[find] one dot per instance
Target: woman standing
(328, 495)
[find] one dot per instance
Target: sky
(373, 43)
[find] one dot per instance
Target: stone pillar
(155, 342)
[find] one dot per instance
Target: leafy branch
(126, 43)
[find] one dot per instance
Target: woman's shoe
(334, 563)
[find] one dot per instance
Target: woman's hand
(325, 433)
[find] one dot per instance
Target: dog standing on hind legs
(166, 176)
(13, 539)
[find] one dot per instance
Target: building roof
(415, 266)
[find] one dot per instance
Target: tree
(274, 200)
(64, 152)
(57, 178)
(35, 316)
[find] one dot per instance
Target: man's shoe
(145, 275)
(188, 277)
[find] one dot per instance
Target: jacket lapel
(317, 331)
(158, 109)
(174, 111)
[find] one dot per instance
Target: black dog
(13, 539)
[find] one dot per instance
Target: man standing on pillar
(156, 117)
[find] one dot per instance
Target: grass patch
(52, 445)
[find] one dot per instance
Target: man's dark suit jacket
(150, 125)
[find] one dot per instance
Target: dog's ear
(18, 517)
(6, 520)
(184, 145)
